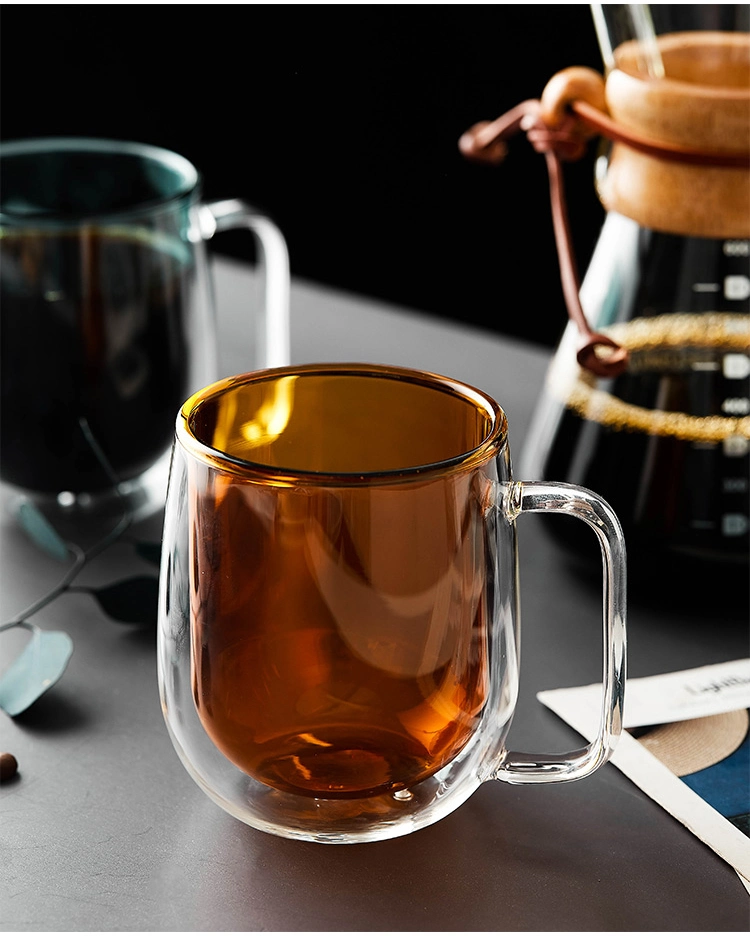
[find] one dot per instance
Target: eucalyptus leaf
(131, 601)
(36, 669)
(41, 532)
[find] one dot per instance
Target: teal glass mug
(107, 317)
(338, 616)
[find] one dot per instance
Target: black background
(342, 122)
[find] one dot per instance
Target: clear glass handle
(231, 214)
(535, 497)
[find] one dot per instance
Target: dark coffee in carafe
(667, 441)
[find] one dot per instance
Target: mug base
(82, 517)
(335, 821)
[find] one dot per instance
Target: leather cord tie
(564, 138)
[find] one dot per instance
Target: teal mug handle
(273, 257)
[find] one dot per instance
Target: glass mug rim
(187, 186)
(493, 442)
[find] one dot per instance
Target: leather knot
(486, 141)
(565, 140)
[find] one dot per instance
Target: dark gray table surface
(104, 830)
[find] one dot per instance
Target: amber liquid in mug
(339, 630)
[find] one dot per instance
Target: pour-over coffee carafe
(647, 399)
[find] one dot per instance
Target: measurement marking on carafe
(705, 365)
(734, 524)
(706, 287)
(736, 287)
(736, 406)
(703, 524)
(736, 248)
(735, 446)
(736, 366)
(734, 485)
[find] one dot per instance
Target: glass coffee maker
(647, 399)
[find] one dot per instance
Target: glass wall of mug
(338, 621)
(107, 317)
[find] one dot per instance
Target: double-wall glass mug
(107, 317)
(338, 617)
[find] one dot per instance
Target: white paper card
(700, 775)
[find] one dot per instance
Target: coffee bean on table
(8, 766)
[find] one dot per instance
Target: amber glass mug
(338, 622)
